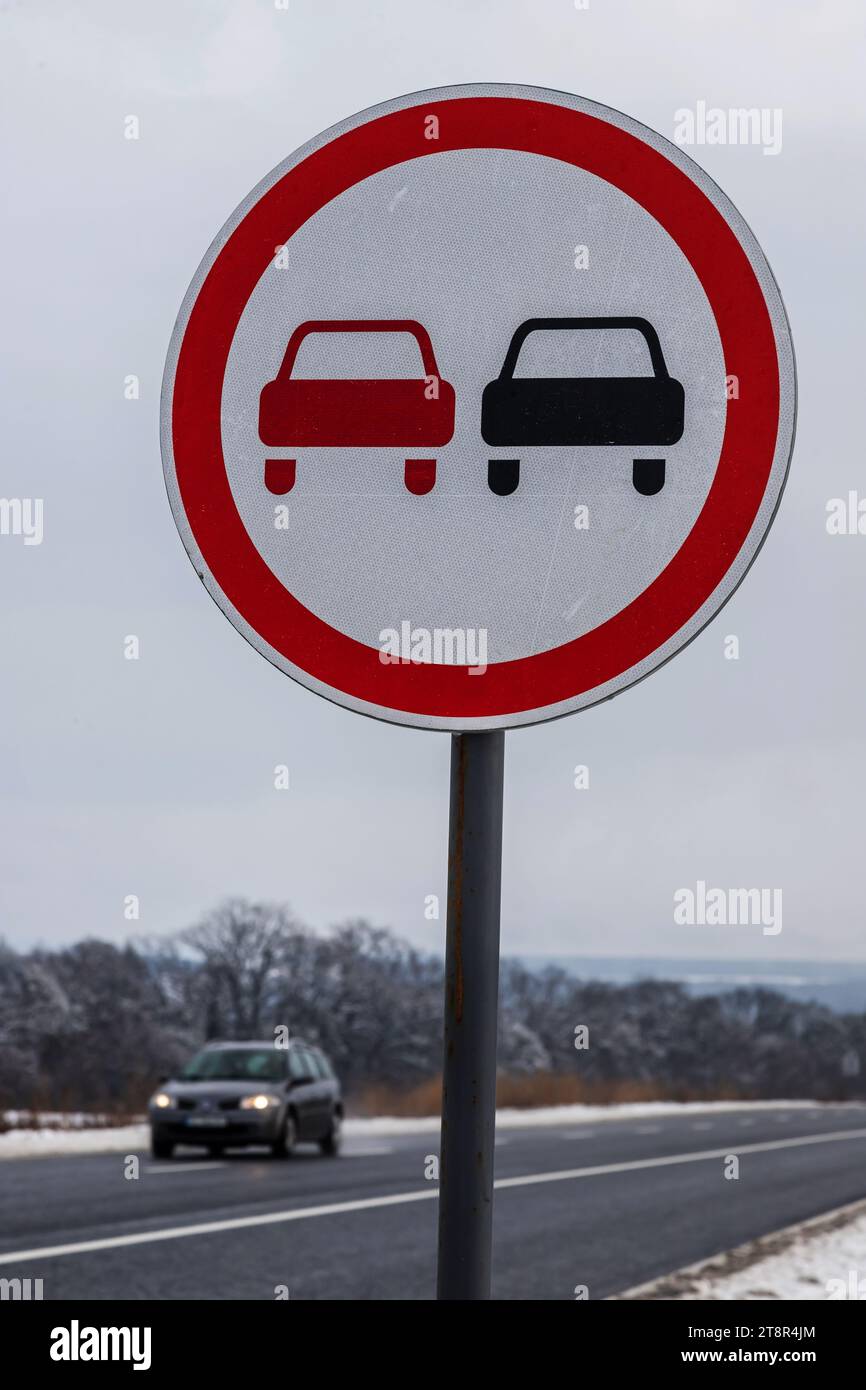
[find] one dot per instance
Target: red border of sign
(693, 574)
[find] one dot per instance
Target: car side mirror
(301, 1080)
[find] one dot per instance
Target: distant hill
(840, 985)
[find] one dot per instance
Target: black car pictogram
(634, 411)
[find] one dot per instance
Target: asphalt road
(606, 1205)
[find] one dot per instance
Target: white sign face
(479, 408)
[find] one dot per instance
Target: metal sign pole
(471, 1007)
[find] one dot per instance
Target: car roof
(412, 326)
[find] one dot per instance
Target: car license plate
(207, 1121)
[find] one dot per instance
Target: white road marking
(275, 1218)
(747, 1122)
(647, 1129)
(669, 1160)
(579, 1134)
(184, 1167)
(702, 1124)
(368, 1152)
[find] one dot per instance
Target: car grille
(192, 1103)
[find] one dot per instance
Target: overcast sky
(155, 777)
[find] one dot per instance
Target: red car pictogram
(310, 412)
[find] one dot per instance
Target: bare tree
(244, 948)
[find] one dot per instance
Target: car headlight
(162, 1100)
(262, 1102)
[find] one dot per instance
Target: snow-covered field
(74, 1134)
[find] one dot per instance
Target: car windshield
(235, 1064)
(582, 352)
(359, 357)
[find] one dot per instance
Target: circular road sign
(478, 408)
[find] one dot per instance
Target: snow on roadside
(37, 1143)
(819, 1260)
(75, 1138)
(833, 1264)
(579, 1114)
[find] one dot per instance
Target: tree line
(93, 1026)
